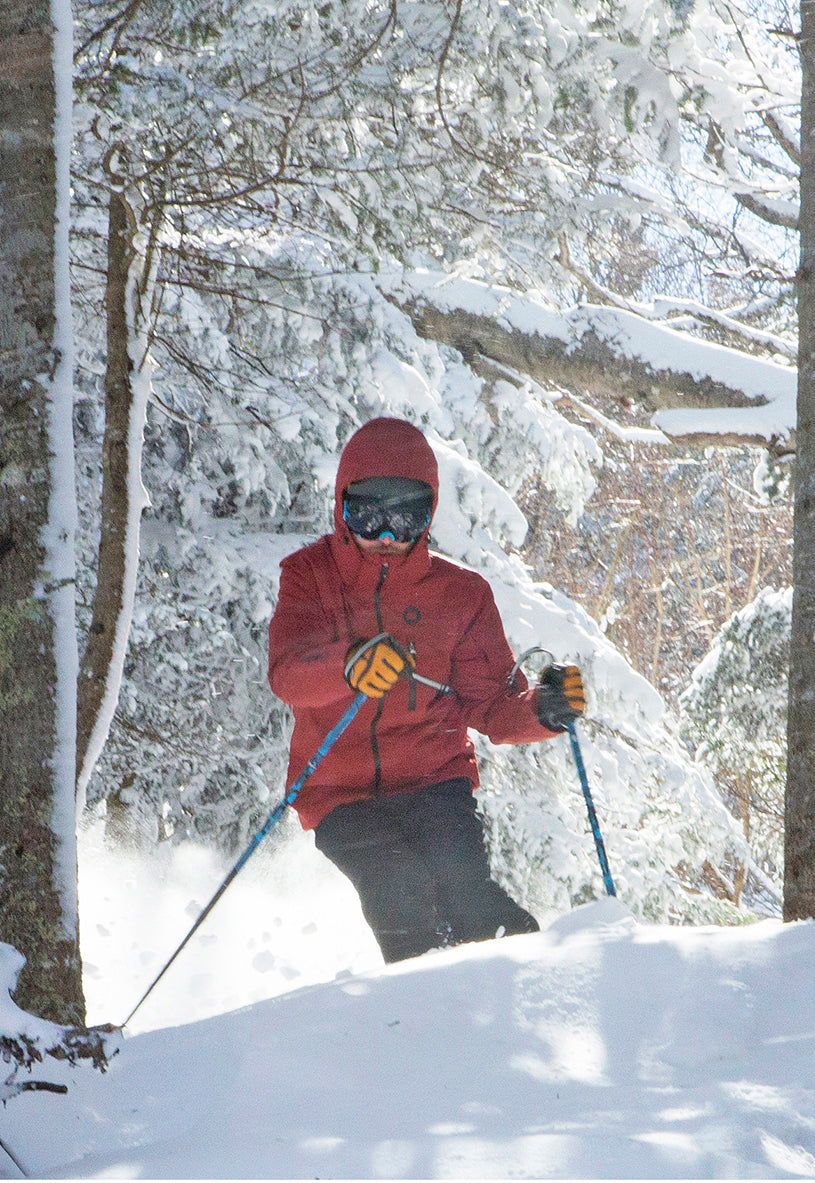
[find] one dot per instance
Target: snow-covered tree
(198, 745)
(714, 249)
(480, 130)
(734, 715)
(277, 161)
(671, 543)
(129, 292)
(38, 877)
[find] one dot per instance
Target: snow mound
(598, 1048)
(591, 917)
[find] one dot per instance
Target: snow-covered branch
(695, 388)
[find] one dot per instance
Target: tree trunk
(37, 820)
(96, 661)
(123, 497)
(799, 852)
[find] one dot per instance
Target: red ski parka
(331, 595)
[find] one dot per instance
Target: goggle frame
(371, 519)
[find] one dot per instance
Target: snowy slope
(597, 1049)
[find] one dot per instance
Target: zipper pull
(412, 678)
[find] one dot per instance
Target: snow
(278, 1045)
(13, 1021)
(599, 1048)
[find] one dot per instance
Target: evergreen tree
(734, 715)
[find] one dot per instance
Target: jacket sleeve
(306, 658)
(481, 668)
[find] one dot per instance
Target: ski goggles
(371, 516)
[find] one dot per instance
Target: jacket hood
(385, 447)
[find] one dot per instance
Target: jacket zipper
(377, 786)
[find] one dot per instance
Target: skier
(371, 607)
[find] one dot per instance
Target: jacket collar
(363, 571)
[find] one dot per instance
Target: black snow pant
(420, 868)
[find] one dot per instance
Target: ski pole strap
(595, 825)
(528, 653)
(407, 655)
(274, 817)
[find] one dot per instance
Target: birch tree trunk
(799, 852)
(38, 913)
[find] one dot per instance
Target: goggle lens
(369, 518)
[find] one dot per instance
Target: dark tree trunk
(35, 858)
(799, 871)
(98, 659)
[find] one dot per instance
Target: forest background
(563, 240)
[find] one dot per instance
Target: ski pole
(278, 811)
(14, 1159)
(595, 825)
(581, 772)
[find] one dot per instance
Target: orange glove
(561, 698)
(375, 666)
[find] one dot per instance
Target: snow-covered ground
(599, 1048)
